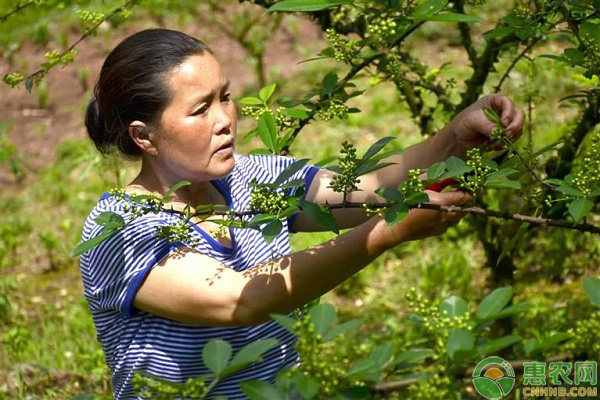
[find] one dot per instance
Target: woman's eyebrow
(208, 95)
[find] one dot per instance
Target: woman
(161, 96)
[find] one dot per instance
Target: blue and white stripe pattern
(134, 340)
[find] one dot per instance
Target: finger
(507, 108)
(516, 126)
(457, 198)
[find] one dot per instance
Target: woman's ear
(142, 137)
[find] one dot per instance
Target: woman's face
(199, 120)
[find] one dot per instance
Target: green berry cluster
(585, 337)
(255, 112)
(591, 61)
(55, 57)
(438, 386)
(412, 184)
(333, 108)
(371, 211)
(179, 232)
(90, 17)
(344, 50)
(151, 388)
(138, 208)
(322, 361)
(13, 79)
(588, 176)
(265, 199)
(347, 181)
(435, 322)
(392, 67)
(476, 180)
(381, 29)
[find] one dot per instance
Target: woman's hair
(133, 86)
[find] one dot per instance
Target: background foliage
(428, 310)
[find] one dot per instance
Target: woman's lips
(225, 149)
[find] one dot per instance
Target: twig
(16, 10)
(517, 365)
(529, 168)
(86, 34)
(427, 206)
(514, 63)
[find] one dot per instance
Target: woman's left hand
(472, 128)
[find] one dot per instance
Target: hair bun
(95, 126)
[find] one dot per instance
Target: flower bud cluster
(54, 58)
(393, 69)
(382, 28)
(91, 17)
(438, 386)
(344, 50)
(591, 61)
(179, 232)
(150, 388)
(266, 200)
(13, 79)
(371, 211)
(589, 174)
(347, 181)
(255, 112)
(476, 180)
(413, 183)
(585, 337)
(333, 108)
(321, 361)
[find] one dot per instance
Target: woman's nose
(223, 120)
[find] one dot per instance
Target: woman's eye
(201, 110)
(226, 97)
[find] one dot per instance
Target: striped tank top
(134, 340)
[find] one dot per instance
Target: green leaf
(429, 8)
(259, 390)
(413, 356)
(508, 311)
(216, 354)
(553, 340)
(580, 208)
(386, 154)
(449, 17)
(436, 170)
(495, 345)
(342, 328)
(329, 82)
(270, 232)
(574, 55)
(382, 355)
(285, 321)
(294, 183)
(267, 130)
(306, 5)
(456, 167)
(325, 161)
(491, 114)
(371, 166)
(250, 353)
(459, 340)
(390, 194)
(174, 188)
(504, 184)
(454, 306)
(416, 198)
(307, 386)
(395, 214)
(260, 219)
(265, 93)
(95, 241)
(590, 29)
(498, 32)
(251, 101)
(290, 170)
(500, 174)
(494, 302)
(320, 215)
(110, 220)
(591, 286)
(361, 367)
(322, 316)
(296, 113)
(377, 146)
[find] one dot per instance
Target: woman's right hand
(419, 223)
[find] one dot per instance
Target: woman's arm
(193, 288)
(469, 129)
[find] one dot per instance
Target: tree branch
(16, 10)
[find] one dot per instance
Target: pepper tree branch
(42, 71)
(16, 10)
(582, 227)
